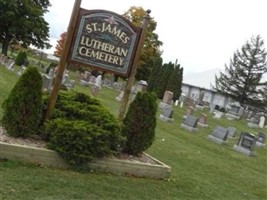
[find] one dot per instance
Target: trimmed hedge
(81, 129)
(23, 107)
(139, 123)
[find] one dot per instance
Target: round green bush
(81, 129)
(23, 107)
(139, 123)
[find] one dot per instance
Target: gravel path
(30, 142)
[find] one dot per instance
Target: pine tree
(242, 79)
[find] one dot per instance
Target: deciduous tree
(152, 44)
(60, 44)
(24, 21)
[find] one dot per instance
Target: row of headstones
(245, 144)
(167, 110)
(257, 120)
(49, 78)
(140, 86)
(89, 79)
(9, 63)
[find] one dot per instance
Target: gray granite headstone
(190, 123)
(219, 135)
(220, 132)
(167, 114)
(231, 131)
(260, 140)
(246, 143)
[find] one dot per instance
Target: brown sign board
(104, 40)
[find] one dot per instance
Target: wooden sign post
(130, 82)
(63, 59)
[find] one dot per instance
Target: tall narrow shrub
(23, 107)
(139, 123)
(21, 58)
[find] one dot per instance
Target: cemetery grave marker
(236, 112)
(218, 115)
(219, 135)
(166, 115)
(262, 122)
(231, 131)
(190, 123)
(260, 140)
(202, 120)
(246, 143)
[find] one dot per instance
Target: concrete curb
(111, 165)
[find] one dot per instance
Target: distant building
(210, 97)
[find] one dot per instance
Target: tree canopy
(24, 21)
(152, 44)
(60, 44)
(243, 77)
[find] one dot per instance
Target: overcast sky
(201, 34)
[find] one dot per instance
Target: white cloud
(201, 34)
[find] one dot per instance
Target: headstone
(202, 120)
(262, 122)
(176, 103)
(167, 115)
(92, 80)
(47, 82)
(249, 115)
(200, 98)
(260, 140)
(182, 104)
(253, 125)
(86, 76)
(240, 111)
(246, 143)
(140, 86)
(167, 98)
(231, 131)
(189, 110)
(212, 108)
(51, 73)
(219, 135)
(2, 57)
(118, 98)
(190, 123)
(10, 64)
(218, 115)
(21, 71)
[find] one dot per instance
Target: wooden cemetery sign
(104, 40)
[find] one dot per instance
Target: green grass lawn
(201, 169)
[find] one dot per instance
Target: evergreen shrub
(81, 129)
(139, 123)
(23, 107)
(21, 58)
